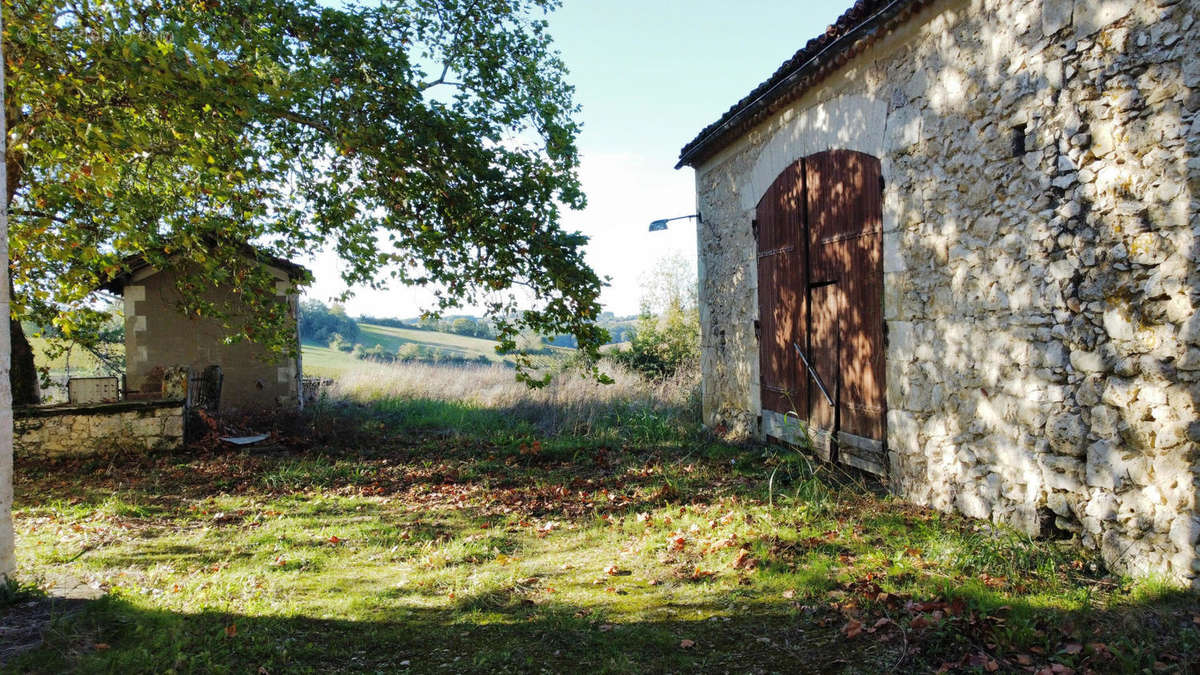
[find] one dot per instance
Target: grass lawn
(367, 538)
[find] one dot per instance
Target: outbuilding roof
(135, 263)
(854, 31)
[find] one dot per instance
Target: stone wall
(1043, 360)
(98, 429)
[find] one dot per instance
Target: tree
(8, 561)
(667, 337)
(322, 324)
(427, 141)
(463, 326)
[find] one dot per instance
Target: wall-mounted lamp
(662, 224)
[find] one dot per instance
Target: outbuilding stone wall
(158, 336)
(96, 429)
(1043, 359)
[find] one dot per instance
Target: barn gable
(1026, 263)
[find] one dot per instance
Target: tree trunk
(23, 376)
(8, 560)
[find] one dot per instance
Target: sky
(649, 75)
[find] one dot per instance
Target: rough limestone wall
(1043, 361)
(84, 432)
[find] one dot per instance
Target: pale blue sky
(649, 75)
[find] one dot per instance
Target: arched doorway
(819, 231)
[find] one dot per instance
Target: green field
(322, 361)
(79, 361)
(392, 339)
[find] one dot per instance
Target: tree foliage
(426, 142)
(667, 337)
(322, 324)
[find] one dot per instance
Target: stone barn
(955, 243)
(158, 337)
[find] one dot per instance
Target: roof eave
(798, 80)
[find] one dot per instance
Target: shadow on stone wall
(1041, 304)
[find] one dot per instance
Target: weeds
(14, 592)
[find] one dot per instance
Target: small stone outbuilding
(957, 243)
(158, 337)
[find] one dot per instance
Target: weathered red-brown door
(782, 293)
(832, 296)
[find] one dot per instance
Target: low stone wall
(94, 429)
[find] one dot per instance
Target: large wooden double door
(820, 297)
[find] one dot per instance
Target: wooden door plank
(781, 297)
(845, 246)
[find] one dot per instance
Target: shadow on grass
(114, 635)
(510, 635)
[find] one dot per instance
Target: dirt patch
(23, 625)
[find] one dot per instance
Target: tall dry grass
(571, 403)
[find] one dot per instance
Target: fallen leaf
(101, 645)
(1073, 648)
(605, 627)
(852, 628)
(789, 594)
(334, 540)
(231, 630)
(744, 560)
(686, 644)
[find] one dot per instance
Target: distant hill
(325, 361)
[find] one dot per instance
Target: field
(447, 520)
(323, 361)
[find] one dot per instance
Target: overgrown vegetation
(399, 525)
(667, 337)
